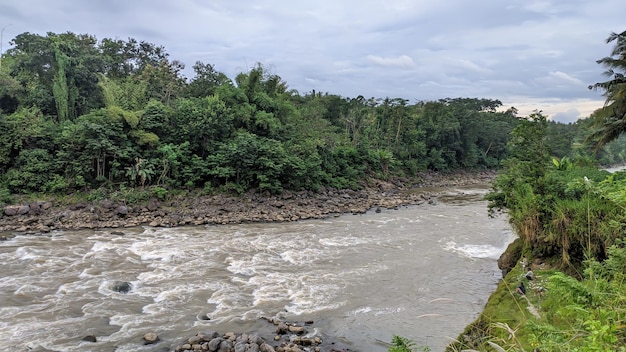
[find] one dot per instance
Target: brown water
(421, 272)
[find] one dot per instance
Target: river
(423, 272)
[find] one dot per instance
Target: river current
(423, 272)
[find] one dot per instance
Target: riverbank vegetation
(117, 119)
(571, 220)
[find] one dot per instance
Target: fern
(402, 344)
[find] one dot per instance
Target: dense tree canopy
(81, 113)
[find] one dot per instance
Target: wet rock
(150, 338)
(6, 236)
(122, 287)
(296, 329)
(89, 338)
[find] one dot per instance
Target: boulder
(153, 205)
(122, 210)
(107, 204)
(13, 210)
(214, 344)
(296, 329)
(511, 256)
(122, 287)
(150, 338)
(195, 340)
(89, 338)
(226, 346)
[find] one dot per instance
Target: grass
(506, 320)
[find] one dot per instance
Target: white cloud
(554, 108)
(559, 78)
(402, 61)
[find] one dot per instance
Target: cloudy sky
(531, 54)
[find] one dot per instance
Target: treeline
(77, 113)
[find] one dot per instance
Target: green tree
(610, 120)
(206, 81)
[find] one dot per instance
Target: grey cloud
(517, 50)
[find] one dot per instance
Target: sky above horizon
(531, 54)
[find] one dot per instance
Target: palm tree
(610, 120)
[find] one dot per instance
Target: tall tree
(611, 119)
(206, 81)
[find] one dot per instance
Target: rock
(89, 338)
(150, 338)
(107, 204)
(153, 205)
(122, 287)
(282, 328)
(194, 340)
(35, 208)
(214, 344)
(296, 329)
(43, 229)
(11, 210)
(266, 348)
(122, 210)
(209, 335)
(225, 346)
(255, 339)
(6, 236)
(241, 347)
(508, 260)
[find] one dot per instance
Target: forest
(78, 114)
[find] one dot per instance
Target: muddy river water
(423, 272)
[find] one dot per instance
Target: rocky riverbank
(46, 215)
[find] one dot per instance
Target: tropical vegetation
(81, 115)
(571, 220)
